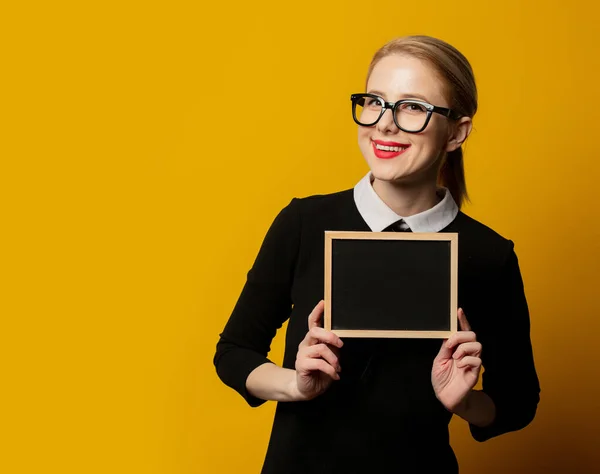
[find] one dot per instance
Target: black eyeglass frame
(451, 114)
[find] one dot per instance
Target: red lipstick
(388, 154)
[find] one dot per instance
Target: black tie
(398, 226)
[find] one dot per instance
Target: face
(415, 157)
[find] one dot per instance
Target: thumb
(462, 319)
(315, 317)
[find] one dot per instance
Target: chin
(399, 171)
(389, 175)
(387, 170)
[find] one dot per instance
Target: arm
(510, 381)
(317, 366)
(262, 308)
(477, 408)
(271, 382)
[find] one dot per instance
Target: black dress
(385, 419)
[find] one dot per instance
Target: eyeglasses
(410, 115)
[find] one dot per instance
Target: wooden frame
(452, 238)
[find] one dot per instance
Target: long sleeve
(263, 306)
(509, 377)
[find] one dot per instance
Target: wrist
(477, 408)
(462, 408)
(293, 391)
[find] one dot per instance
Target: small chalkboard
(391, 284)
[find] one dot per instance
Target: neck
(407, 199)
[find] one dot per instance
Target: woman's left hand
(456, 368)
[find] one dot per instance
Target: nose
(386, 123)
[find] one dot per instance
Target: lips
(387, 149)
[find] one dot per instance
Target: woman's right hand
(317, 362)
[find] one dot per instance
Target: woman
(388, 410)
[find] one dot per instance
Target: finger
(334, 349)
(445, 351)
(316, 316)
(321, 350)
(460, 338)
(317, 335)
(467, 349)
(468, 361)
(462, 319)
(309, 364)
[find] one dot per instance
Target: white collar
(378, 215)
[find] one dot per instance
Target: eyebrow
(404, 96)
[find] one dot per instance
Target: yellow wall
(146, 147)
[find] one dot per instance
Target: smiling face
(392, 154)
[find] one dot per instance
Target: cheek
(437, 134)
(363, 133)
(432, 140)
(364, 138)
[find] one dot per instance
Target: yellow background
(147, 146)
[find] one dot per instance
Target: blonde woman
(383, 406)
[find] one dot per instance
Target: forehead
(398, 77)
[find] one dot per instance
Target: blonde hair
(461, 92)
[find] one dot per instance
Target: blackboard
(391, 284)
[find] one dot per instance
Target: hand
(317, 362)
(456, 368)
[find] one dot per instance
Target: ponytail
(452, 176)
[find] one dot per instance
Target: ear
(459, 133)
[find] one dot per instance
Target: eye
(370, 102)
(413, 108)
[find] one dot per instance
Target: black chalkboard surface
(391, 284)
